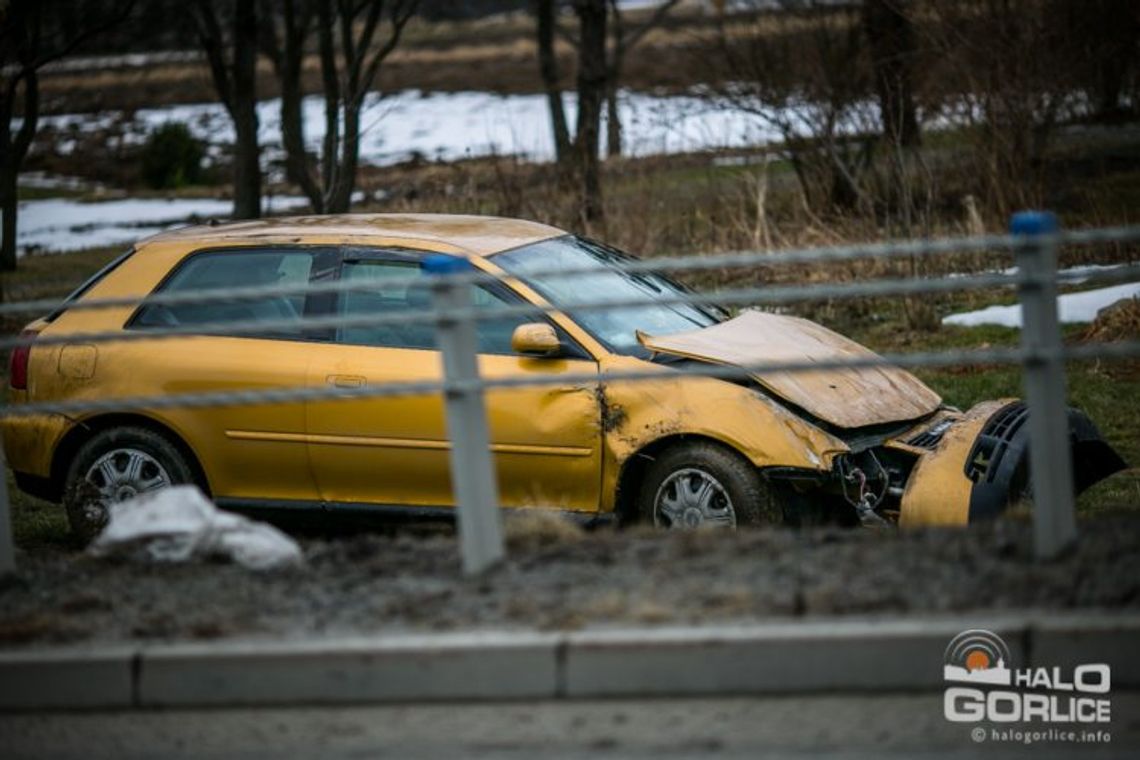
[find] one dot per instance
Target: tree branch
(268, 43)
(401, 14)
(655, 20)
(211, 39)
(27, 131)
(70, 46)
(360, 49)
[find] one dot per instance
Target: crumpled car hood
(848, 397)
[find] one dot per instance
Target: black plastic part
(345, 514)
(998, 463)
(39, 487)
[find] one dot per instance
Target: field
(1109, 392)
(679, 205)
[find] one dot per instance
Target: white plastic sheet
(179, 524)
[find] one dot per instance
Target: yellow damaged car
(680, 450)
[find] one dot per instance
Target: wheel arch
(632, 471)
(85, 429)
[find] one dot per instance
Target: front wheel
(703, 484)
(115, 465)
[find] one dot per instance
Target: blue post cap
(441, 263)
(1033, 223)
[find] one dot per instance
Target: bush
(172, 157)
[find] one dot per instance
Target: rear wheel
(703, 484)
(115, 465)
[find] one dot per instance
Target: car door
(249, 451)
(546, 439)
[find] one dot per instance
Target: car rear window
(219, 270)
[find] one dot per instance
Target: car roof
(479, 235)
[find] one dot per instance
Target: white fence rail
(1035, 241)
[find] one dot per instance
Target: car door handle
(347, 381)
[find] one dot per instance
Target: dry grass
(529, 529)
(1120, 321)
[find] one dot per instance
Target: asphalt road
(745, 727)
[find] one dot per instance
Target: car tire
(114, 465)
(701, 484)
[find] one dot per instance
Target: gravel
(559, 578)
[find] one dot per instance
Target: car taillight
(18, 363)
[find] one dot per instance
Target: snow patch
(448, 126)
(1069, 276)
(1071, 307)
(59, 224)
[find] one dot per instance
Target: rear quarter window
(224, 269)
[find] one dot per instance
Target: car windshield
(539, 264)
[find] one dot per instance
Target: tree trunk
(613, 120)
(297, 165)
(891, 37)
(8, 206)
(15, 148)
(591, 90)
(1118, 40)
(247, 158)
(330, 148)
(548, 69)
(340, 194)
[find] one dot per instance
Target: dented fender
(635, 414)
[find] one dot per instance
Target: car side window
(223, 269)
(402, 287)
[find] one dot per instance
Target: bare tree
(802, 72)
(1107, 38)
(282, 38)
(592, 84)
(1015, 69)
(545, 12)
(624, 37)
(233, 66)
(350, 60)
(578, 158)
(891, 39)
(32, 35)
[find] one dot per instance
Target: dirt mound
(562, 578)
(1120, 321)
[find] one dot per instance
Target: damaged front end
(953, 468)
(899, 455)
(997, 464)
(865, 485)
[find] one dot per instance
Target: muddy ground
(564, 579)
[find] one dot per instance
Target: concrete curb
(467, 666)
(774, 658)
(867, 655)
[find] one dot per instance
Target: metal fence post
(1050, 455)
(7, 548)
(472, 467)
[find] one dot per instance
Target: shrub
(172, 157)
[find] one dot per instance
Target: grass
(36, 524)
(46, 193)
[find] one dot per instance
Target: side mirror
(535, 339)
